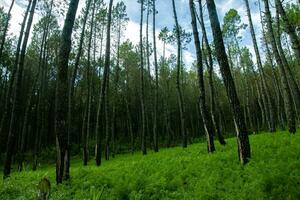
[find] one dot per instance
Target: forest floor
(176, 173)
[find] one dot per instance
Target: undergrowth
(176, 173)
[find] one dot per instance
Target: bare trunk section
(214, 115)
(290, 30)
(266, 89)
(286, 90)
(16, 114)
(101, 106)
(207, 121)
(74, 74)
(155, 125)
(178, 83)
(6, 28)
(143, 133)
(8, 95)
(62, 91)
(241, 129)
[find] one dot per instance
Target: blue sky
(164, 18)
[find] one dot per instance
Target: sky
(164, 19)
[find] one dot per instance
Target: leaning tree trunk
(62, 91)
(178, 84)
(265, 87)
(287, 92)
(6, 28)
(7, 104)
(103, 93)
(292, 81)
(207, 121)
(16, 114)
(214, 115)
(290, 30)
(276, 84)
(241, 129)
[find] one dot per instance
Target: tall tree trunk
(275, 81)
(62, 91)
(287, 92)
(265, 87)
(207, 121)
(107, 122)
(290, 30)
(16, 114)
(89, 94)
(241, 129)
(214, 115)
(8, 95)
(6, 28)
(143, 133)
(71, 100)
(155, 125)
(178, 83)
(116, 90)
(292, 82)
(40, 129)
(22, 138)
(103, 93)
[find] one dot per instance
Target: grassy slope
(273, 173)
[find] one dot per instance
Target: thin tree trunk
(25, 125)
(292, 82)
(287, 92)
(103, 93)
(15, 121)
(265, 87)
(206, 117)
(8, 95)
(155, 126)
(290, 30)
(178, 83)
(6, 28)
(89, 94)
(143, 133)
(275, 81)
(211, 82)
(71, 100)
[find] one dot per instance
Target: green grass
(176, 173)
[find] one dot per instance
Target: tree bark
(155, 126)
(143, 133)
(8, 95)
(265, 87)
(207, 121)
(214, 115)
(62, 91)
(16, 114)
(290, 30)
(241, 129)
(6, 28)
(292, 81)
(71, 100)
(178, 83)
(287, 92)
(103, 93)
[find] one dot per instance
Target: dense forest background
(72, 84)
